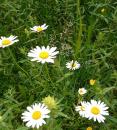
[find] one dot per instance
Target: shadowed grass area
(85, 31)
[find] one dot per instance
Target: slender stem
(40, 37)
(40, 128)
(49, 75)
(79, 99)
(51, 124)
(15, 62)
(79, 40)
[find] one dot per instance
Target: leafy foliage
(82, 30)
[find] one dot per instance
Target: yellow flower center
(89, 128)
(73, 65)
(95, 110)
(36, 115)
(39, 29)
(6, 42)
(44, 55)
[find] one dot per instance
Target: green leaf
(63, 115)
(65, 76)
(22, 128)
(113, 119)
(106, 90)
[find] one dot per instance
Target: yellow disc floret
(95, 110)
(44, 55)
(6, 42)
(36, 115)
(39, 29)
(73, 65)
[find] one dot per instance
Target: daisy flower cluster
(35, 115)
(40, 54)
(96, 110)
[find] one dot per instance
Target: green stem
(80, 98)
(40, 128)
(51, 124)
(79, 40)
(15, 62)
(40, 37)
(49, 75)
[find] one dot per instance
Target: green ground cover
(85, 31)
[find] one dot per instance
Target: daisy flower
(7, 41)
(82, 91)
(35, 114)
(81, 109)
(92, 82)
(39, 28)
(96, 110)
(72, 65)
(42, 54)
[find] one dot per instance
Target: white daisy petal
(29, 109)
(54, 53)
(53, 49)
(81, 109)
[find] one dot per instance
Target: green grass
(81, 32)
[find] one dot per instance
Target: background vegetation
(85, 31)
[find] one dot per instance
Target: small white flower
(96, 110)
(82, 91)
(34, 115)
(42, 54)
(81, 109)
(72, 65)
(39, 28)
(7, 41)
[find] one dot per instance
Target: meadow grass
(85, 31)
